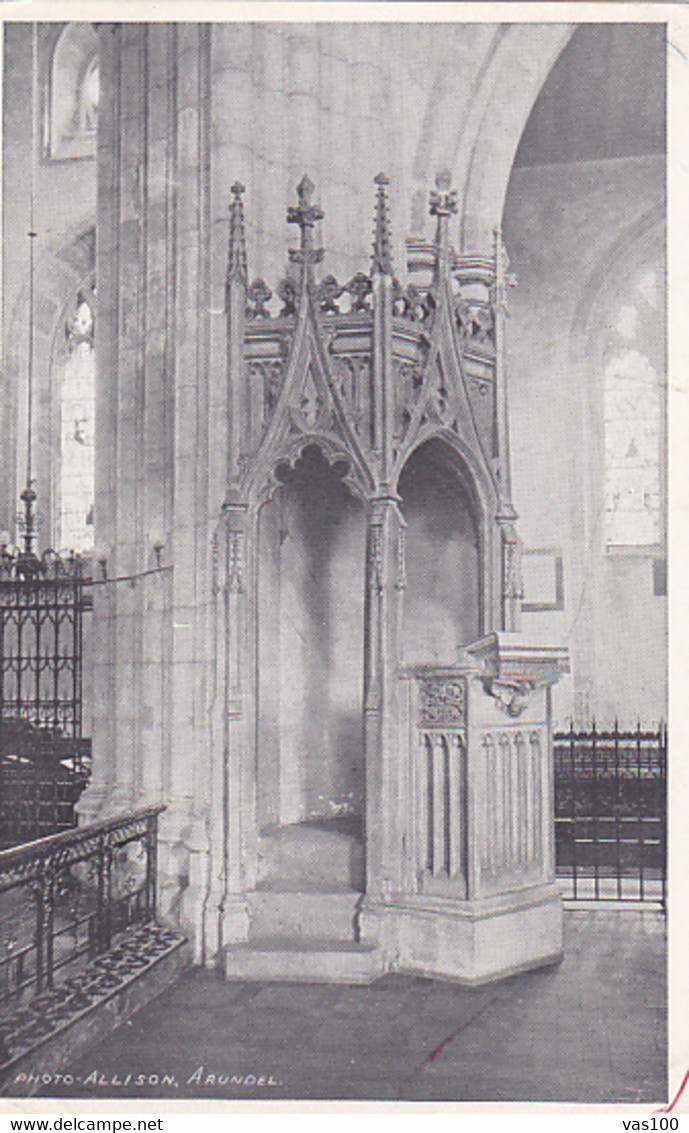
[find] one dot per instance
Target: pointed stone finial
(443, 198)
(305, 215)
(443, 206)
(236, 260)
(382, 242)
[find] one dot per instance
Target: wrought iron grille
(66, 897)
(611, 814)
(44, 760)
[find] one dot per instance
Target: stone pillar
(184, 828)
(231, 811)
(385, 580)
(154, 519)
(384, 585)
(232, 614)
(117, 607)
(509, 567)
(103, 634)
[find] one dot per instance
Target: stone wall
(577, 236)
(64, 220)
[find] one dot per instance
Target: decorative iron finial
(236, 260)
(382, 243)
(305, 215)
(27, 556)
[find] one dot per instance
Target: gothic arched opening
(442, 595)
(73, 93)
(76, 414)
(310, 648)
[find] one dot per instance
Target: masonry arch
(61, 274)
(444, 593)
(310, 644)
(583, 222)
(485, 144)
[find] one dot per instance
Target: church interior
(336, 353)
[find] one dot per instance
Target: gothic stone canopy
(367, 369)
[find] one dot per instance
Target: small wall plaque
(543, 579)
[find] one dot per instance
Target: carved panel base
(471, 942)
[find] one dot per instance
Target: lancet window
(633, 393)
(76, 414)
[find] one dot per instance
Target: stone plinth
(478, 898)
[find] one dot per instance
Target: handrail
(41, 846)
(79, 888)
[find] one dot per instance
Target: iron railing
(64, 898)
(611, 813)
(38, 791)
(44, 761)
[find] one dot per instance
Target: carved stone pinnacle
(382, 249)
(236, 259)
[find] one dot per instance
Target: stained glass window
(633, 384)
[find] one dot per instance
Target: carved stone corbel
(511, 672)
(511, 697)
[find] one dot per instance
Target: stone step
(300, 960)
(311, 855)
(318, 914)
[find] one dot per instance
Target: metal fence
(611, 813)
(64, 898)
(44, 760)
(38, 791)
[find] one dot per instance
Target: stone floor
(592, 1029)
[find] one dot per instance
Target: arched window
(76, 412)
(633, 393)
(73, 95)
(632, 451)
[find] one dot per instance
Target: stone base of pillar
(191, 902)
(177, 893)
(224, 920)
(102, 801)
(94, 803)
(234, 919)
(473, 942)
